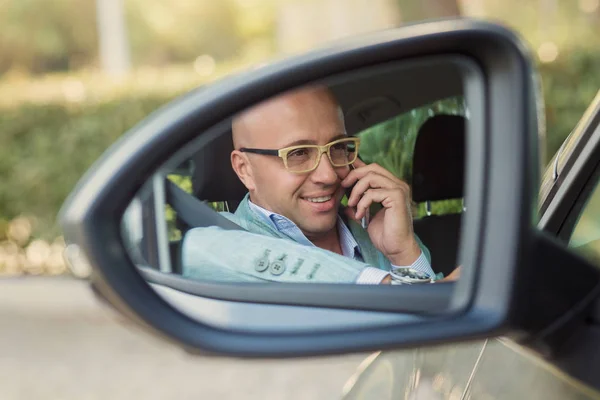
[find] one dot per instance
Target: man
(294, 157)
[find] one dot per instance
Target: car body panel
(439, 372)
(508, 371)
(495, 369)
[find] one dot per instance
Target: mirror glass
(355, 179)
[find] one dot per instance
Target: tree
(112, 33)
(39, 36)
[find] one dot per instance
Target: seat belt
(195, 213)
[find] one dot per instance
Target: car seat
(438, 174)
(214, 178)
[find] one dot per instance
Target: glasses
(306, 157)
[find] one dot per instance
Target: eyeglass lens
(306, 158)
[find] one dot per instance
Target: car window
(419, 139)
(391, 144)
(586, 234)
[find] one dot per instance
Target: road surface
(58, 342)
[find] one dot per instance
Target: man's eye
(298, 153)
(344, 147)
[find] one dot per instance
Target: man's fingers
(369, 181)
(364, 204)
(387, 197)
(360, 172)
(384, 196)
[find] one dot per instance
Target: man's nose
(324, 173)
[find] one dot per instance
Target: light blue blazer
(263, 254)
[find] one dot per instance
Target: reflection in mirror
(357, 179)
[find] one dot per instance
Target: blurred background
(75, 75)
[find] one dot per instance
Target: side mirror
(154, 217)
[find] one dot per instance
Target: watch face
(409, 275)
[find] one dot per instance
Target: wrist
(406, 257)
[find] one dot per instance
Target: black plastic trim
(561, 291)
(574, 173)
(414, 299)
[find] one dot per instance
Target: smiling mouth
(321, 199)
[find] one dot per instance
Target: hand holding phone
(390, 228)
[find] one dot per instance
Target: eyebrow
(305, 141)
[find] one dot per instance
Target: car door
(432, 373)
(570, 210)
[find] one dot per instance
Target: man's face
(311, 200)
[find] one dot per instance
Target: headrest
(439, 157)
(214, 179)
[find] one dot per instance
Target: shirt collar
(286, 226)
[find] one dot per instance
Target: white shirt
(350, 248)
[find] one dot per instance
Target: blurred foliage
(570, 84)
(39, 36)
(176, 31)
(570, 79)
(92, 87)
(45, 149)
(185, 183)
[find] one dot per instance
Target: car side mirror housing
(499, 247)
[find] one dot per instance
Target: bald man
(294, 157)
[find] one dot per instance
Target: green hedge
(44, 149)
(570, 84)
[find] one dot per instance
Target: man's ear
(243, 169)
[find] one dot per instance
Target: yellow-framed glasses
(305, 157)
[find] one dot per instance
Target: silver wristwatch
(409, 276)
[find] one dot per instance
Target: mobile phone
(364, 221)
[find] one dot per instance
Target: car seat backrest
(214, 178)
(438, 174)
(438, 160)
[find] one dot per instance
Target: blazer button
(277, 267)
(261, 264)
